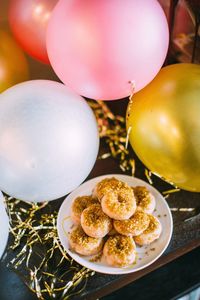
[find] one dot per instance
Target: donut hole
(119, 246)
(121, 199)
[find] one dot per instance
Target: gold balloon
(13, 64)
(164, 124)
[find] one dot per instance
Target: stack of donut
(113, 219)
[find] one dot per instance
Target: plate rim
(124, 271)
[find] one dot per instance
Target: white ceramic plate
(146, 254)
(4, 225)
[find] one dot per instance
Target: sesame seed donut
(119, 204)
(144, 199)
(119, 251)
(78, 206)
(151, 234)
(83, 244)
(105, 186)
(94, 222)
(133, 226)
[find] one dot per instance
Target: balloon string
(133, 85)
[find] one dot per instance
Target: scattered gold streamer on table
(148, 175)
(171, 191)
(39, 256)
(183, 209)
(112, 129)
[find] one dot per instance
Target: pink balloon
(28, 21)
(98, 47)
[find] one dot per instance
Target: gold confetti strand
(61, 261)
(37, 286)
(18, 262)
(48, 274)
(22, 252)
(76, 280)
(34, 232)
(61, 250)
(148, 175)
(104, 156)
(186, 209)
(75, 268)
(41, 264)
(71, 283)
(48, 288)
(171, 191)
(29, 256)
(17, 236)
(51, 251)
(132, 164)
(21, 233)
(183, 209)
(78, 292)
(86, 275)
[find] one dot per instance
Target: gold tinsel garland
(39, 258)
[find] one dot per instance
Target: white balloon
(48, 140)
(4, 225)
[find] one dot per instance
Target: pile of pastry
(112, 220)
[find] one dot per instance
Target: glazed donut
(133, 226)
(119, 251)
(151, 234)
(94, 222)
(144, 199)
(105, 186)
(119, 204)
(78, 205)
(83, 244)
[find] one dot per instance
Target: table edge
(129, 278)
